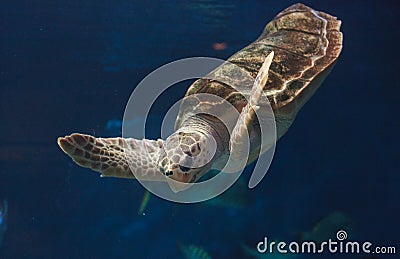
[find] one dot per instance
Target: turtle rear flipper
(115, 157)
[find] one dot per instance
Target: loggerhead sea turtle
(289, 61)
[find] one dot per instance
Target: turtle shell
(306, 44)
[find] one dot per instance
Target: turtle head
(187, 155)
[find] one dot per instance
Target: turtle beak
(177, 186)
(181, 184)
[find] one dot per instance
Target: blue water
(70, 66)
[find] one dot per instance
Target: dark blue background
(70, 66)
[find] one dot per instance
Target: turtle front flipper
(115, 157)
(239, 137)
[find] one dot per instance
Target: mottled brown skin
(306, 45)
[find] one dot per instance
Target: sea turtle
(289, 61)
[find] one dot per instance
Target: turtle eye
(188, 153)
(184, 168)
